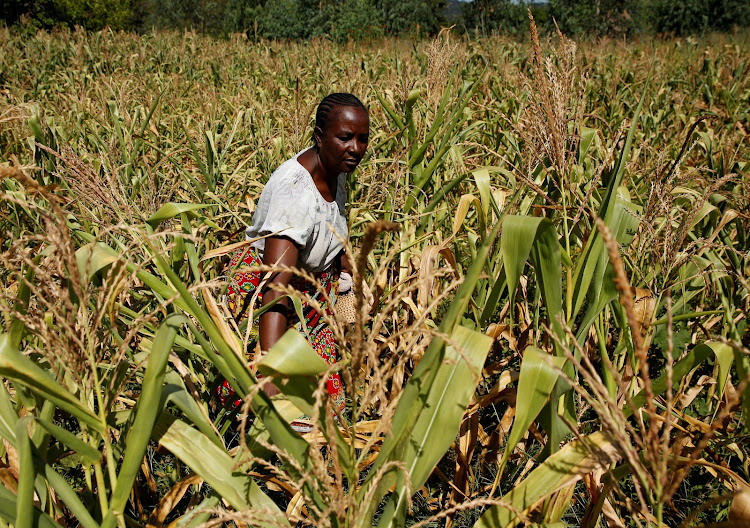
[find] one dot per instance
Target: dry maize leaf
(644, 303)
(558, 503)
(599, 505)
(712, 321)
(482, 437)
(496, 329)
(8, 480)
(609, 513)
(739, 512)
(296, 508)
(499, 390)
(689, 395)
(369, 459)
(275, 484)
(173, 496)
(12, 458)
(369, 426)
(147, 473)
(528, 467)
(427, 271)
(413, 307)
(467, 441)
(226, 331)
(506, 422)
(490, 370)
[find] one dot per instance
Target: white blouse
(291, 206)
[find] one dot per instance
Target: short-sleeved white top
(292, 206)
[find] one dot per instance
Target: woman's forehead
(349, 115)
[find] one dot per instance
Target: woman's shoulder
(291, 185)
(290, 174)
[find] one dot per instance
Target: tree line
(343, 20)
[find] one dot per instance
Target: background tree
(599, 17)
(694, 16)
(415, 17)
(90, 14)
(488, 16)
(206, 16)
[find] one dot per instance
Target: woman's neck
(325, 182)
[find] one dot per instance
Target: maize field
(554, 236)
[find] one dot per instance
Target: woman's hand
(274, 323)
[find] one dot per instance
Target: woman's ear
(317, 134)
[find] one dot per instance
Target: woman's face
(344, 141)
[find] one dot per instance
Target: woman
(302, 207)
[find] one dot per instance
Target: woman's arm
(273, 324)
(345, 264)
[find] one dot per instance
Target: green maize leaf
(93, 258)
(292, 356)
(438, 199)
(88, 454)
(20, 369)
(587, 138)
(190, 250)
(215, 466)
(296, 366)
(26, 476)
(195, 520)
(605, 285)
(545, 256)
(8, 511)
(482, 181)
(17, 327)
(151, 111)
(560, 470)
(146, 412)
(389, 110)
(438, 425)
(176, 393)
(623, 223)
(687, 316)
(539, 374)
(65, 492)
(742, 364)
(602, 288)
(584, 271)
(493, 297)
(238, 374)
(171, 209)
(8, 416)
(516, 240)
(412, 400)
(419, 153)
(411, 100)
(724, 358)
(36, 128)
(520, 235)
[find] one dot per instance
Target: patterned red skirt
(243, 286)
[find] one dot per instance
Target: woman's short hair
(331, 101)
